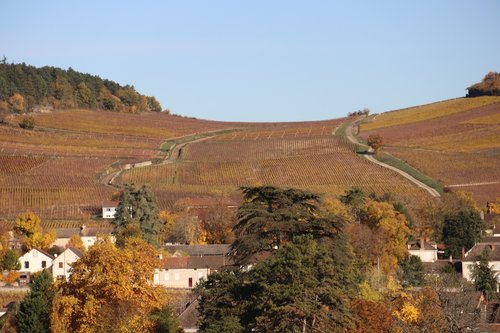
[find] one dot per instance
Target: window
(190, 283)
(44, 264)
(60, 265)
(26, 264)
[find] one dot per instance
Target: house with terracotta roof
(62, 263)
(35, 260)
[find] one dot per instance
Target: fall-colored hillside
(455, 141)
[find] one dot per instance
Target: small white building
(186, 272)
(62, 263)
(109, 209)
(35, 260)
(425, 250)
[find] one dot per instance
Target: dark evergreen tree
(137, 214)
(411, 272)
(270, 217)
(355, 198)
(462, 230)
(34, 311)
(303, 288)
(165, 321)
(222, 302)
(483, 275)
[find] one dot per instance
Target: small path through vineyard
(372, 159)
(173, 156)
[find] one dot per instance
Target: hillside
(61, 168)
(25, 88)
(456, 142)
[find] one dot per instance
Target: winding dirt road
(372, 159)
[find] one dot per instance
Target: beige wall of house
(62, 264)
(425, 255)
(34, 261)
(180, 278)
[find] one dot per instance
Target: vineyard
(51, 187)
(305, 155)
(459, 147)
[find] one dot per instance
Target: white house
(490, 244)
(62, 263)
(425, 250)
(186, 272)
(35, 260)
(109, 209)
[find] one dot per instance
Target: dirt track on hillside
(370, 158)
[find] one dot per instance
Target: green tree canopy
(137, 215)
(34, 311)
(483, 275)
(461, 230)
(411, 272)
(302, 287)
(270, 217)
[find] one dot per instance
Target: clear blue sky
(264, 60)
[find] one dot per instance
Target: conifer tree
(137, 215)
(34, 310)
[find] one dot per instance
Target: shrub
(27, 122)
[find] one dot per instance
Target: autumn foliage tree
(29, 229)
(375, 141)
(110, 289)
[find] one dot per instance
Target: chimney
(463, 253)
(451, 259)
(422, 243)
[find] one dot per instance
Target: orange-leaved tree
(375, 141)
(110, 289)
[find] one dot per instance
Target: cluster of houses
(187, 265)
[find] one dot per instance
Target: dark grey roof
(200, 250)
(196, 262)
(188, 319)
(67, 232)
(437, 266)
(493, 249)
(87, 231)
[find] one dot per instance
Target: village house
(62, 263)
(87, 234)
(427, 251)
(186, 272)
(109, 209)
(490, 244)
(35, 260)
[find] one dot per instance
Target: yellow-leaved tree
(29, 229)
(394, 226)
(110, 290)
(76, 242)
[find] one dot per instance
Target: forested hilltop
(25, 88)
